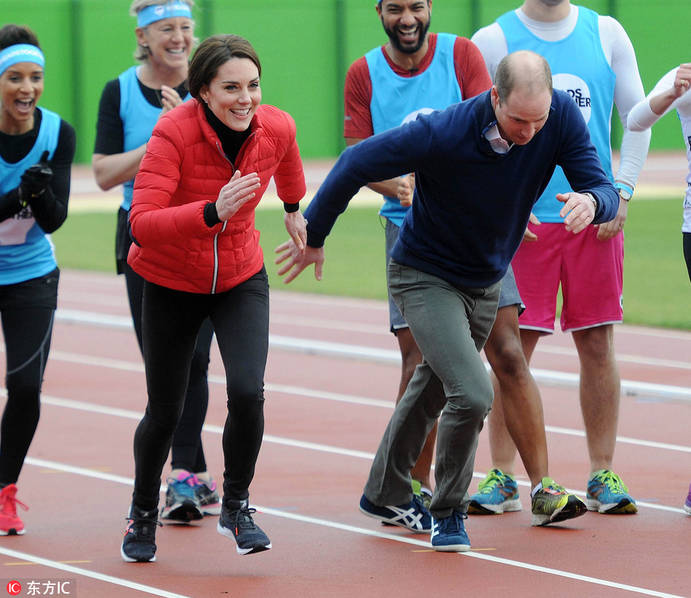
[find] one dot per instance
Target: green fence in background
(305, 47)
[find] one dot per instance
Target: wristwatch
(625, 192)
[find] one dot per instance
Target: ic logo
(14, 588)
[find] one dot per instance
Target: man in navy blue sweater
(480, 166)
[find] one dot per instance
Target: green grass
(656, 286)
(86, 241)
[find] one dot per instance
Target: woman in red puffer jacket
(206, 168)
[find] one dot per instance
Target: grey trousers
(450, 326)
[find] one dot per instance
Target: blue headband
(20, 53)
(157, 12)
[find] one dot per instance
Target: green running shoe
(553, 503)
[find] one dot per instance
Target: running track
(331, 377)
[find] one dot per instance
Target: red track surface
(324, 418)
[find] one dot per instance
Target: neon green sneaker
(553, 503)
(424, 493)
(607, 493)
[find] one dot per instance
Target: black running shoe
(139, 543)
(236, 522)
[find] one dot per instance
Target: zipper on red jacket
(215, 242)
(223, 228)
(215, 279)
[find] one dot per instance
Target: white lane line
(323, 324)
(471, 554)
(377, 330)
(132, 585)
(387, 356)
(302, 299)
(315, 521)
(624, 440)
(622, 357)
(330, 396)
(680, 335)
(301, 444)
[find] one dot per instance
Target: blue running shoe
(182, 504)
(607, 493)
(449, 535)
(497, 493)
(687, 504)
(413, 515)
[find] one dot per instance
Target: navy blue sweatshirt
(471, 205)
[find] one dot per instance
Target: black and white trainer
(139, 543)
(236, 522)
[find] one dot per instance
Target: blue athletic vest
(397, 99)
(26, 252)
(580, 68)
(138, 117)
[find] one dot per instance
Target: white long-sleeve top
(621, 57)
(642, 117)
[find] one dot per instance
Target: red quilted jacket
(183, 169)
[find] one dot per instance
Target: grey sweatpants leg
(450, 325)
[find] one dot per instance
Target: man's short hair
(535, 74)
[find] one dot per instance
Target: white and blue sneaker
(413, 515)
(449, 535)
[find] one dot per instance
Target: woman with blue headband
(130, 107)
(36, 152)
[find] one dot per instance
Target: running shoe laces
(9, 501)
(142, 524)
(494, 478)
(611, 480)
(243, 519)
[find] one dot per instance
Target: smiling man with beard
(414, 72)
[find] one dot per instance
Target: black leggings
(171, 321)
(687, 252)
(27, 310)
(187, 451)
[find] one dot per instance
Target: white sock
(535, 490)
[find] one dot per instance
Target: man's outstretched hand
(295, 261)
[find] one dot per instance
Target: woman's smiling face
(21, 86)
(234, 94)
(169, 41)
